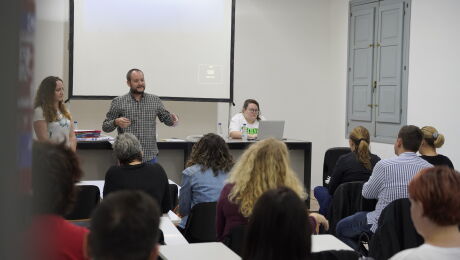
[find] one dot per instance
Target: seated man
(388, 182)
(125, 226)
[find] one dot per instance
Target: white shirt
(237, 124)
(427, 251)
(58, 131)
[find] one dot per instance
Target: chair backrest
(330, 159)
(88, 197)
(201, 223)
(173, 190)
(346, 201)
(235, 239)
(335, 255)
(395, 231)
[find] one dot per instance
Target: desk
(96, 157)
(171, 233)
(203, 251)
(327, 242)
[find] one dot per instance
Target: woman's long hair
(45, 99)
(360, 137)
(263, 166)
(211, 151)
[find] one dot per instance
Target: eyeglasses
(253, 110)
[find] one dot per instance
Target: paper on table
(173, 140)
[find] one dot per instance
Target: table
(202, 251)
(327, 242)
(171, 233)
(96, 157)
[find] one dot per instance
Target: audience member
(278, 228)
(250, 115)
(388, 182)
(206, 172)
(432, 140)
(435, 209)
(354, 166)
(264, 165)
(125, 227)
(55, 170)
(52, 120)
(133, 174)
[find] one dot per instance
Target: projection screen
(184, 48)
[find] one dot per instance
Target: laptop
(271, 128)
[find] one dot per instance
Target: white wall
(291, 56)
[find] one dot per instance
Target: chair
(88, 198)
(235, 239)
(395, 231)
(330, 159)
(201, 223)
(335, 255)
(173, 190)
(346, 201)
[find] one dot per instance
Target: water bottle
(75, 125)
(244, 133)
(219, 130)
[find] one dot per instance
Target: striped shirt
(389, 181)
(142, 114)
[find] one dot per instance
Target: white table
(172, 235)
(327, 242)
(202, 251)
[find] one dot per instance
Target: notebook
(271, 128)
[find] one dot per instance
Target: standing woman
(52, 120)
(432, 139)
(250, 115)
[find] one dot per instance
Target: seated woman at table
(435, 211)
(133, 174)
(250, 115)
(206, 172)
(55, 170)
(52, 120)
(263, 166)
(432, 139)
(354, 166)
(278, 228)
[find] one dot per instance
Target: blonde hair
(263, 166)
(45, 99)
(360, 137)
(432, 137)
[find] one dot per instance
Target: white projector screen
(184, 48)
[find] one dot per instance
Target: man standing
(136, 113)
(388, 182)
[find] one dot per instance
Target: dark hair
(411, 137)
(124, 226)
(211, 151)
(55, 170)
(128, 75)
(278, 228)
(252, 101)
(437, 188)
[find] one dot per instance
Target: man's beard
(136, 92)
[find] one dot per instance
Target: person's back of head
(211, 151)
(411, 137)
(432, 137)
(125, 226)
(359, 136)
(55, 170)
(437, 190)
(264, 165)
(127, 148)
(278, 228)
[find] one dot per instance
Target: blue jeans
(153, 161)
(324, 199)
(350, 228)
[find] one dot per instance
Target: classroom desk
(96, 157)
(327, 242)
(202, 251)
(171, 233)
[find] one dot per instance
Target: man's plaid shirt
(142, 114)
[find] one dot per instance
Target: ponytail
(361, 139)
